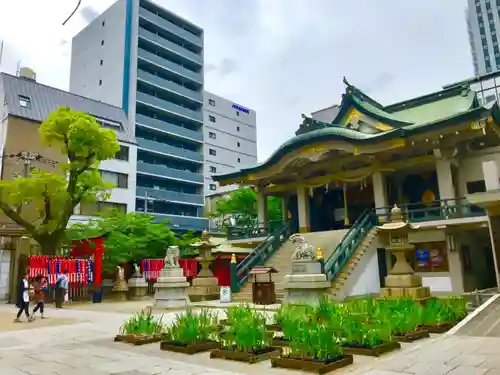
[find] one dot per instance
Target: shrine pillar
(262, 209)
(380, 195)
(303, 210)
(445, 180)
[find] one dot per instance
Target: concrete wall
(369, 280)
(471, 167)
(87, 54)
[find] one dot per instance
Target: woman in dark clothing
(23, 299)
(39, 285)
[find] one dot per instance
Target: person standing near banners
(39, 295)
(23, 299)
(61, 289)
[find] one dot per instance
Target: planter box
(412, 336)
(374, 351)
(439, 328)
(234, 355)
(138, 339)
(310, 365)
(281, 342)
(178, 347)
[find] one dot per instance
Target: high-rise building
(149, 61)
(230, 135)
(483, 24)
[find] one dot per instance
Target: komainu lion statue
(303, 250)
(172, 257)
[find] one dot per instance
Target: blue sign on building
(240, 108)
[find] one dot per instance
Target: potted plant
(246, 339)
(236, 313)
(289, 321)
(406, 321)
(314, 348)
(141, 328)
(192, 333)
(368, 338)
(440, 315)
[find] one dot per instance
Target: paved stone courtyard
(86, 347)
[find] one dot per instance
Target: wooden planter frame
(138, 339)
(439, 328)
(245, 357)
(412, 336)
(375, 351)
(189, 348)
(310, 366)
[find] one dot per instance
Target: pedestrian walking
(61, 289)
(39, 296)
(23, 299)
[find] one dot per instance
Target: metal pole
(146, 202)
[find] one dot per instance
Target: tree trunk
(49, 245)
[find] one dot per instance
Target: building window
(24, 101)
(101, 62)
(100, 82)
(119, 180)
(213, 187)
(237, 128)
(102, 42)
(211, 102)
(239, 160)
(94, 209)
(238, 144)
(212, 135)
(476, 187)
(103, 23)
(237, 113)
(212, 169)
(211, 118)
(211, 151)
(123, 153)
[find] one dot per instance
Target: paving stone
(426, 368)
(468, 370)
(472, 360)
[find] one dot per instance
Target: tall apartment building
(483, 24)
(230, 134)
(149, 61)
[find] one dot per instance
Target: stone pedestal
(120, 290)
(138, 288)
(204, 287)
(171, 289)
(307, 283)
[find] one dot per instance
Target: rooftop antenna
(18, 68)
(72, 13)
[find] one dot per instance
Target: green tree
(241, 204)
(43, 202)
(131, 237)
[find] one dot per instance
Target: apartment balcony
(169, 26)
(170, 196)
(176, 152)
(172, 173)
(172, 47)
(169, 107)
(170, 66)
(170, 86)
(197, 224)
(169, 128)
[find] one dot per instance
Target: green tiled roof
(425, 113)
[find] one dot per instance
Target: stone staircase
(338, 290)
(282, 260)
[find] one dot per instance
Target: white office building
(230, 139)
(483, 24)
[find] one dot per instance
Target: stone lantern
(205, 287)
(401, 280)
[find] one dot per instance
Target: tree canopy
(131, 237)
(241, 204)
(43, 202)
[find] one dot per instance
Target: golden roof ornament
(233, 258)
(319, 254)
